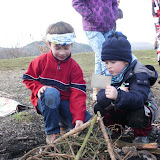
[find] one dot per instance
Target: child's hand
(124, 88)
(78, 123)
(41, 90)
(111, 92)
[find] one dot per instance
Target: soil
(19, 136)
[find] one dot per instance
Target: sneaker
(143, 139)
(51, 138)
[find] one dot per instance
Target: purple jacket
(97, 15)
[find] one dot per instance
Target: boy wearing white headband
(57, 84)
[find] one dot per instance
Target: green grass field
(85, 60)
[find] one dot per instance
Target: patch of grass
(22, 117)
(16, 63)
(147, 57)
(85, 60)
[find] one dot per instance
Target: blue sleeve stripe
(48, 82)
(55, 83)
(81, 87)
(51, 82)
(28, 77)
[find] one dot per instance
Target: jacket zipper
(59, 68)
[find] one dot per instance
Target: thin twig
(70, 146)
(126, 155)
(28, 153)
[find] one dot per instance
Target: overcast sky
(25, 21)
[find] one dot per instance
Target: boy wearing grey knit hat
(128, 100)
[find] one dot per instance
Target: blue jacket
(139, 78)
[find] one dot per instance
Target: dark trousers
(119, 118)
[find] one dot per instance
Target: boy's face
(115, 67)
(61, 52)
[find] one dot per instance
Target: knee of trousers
(52, 98)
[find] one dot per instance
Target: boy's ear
(49, 44)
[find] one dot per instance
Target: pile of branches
(90, 141)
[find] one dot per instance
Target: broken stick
(110, 149)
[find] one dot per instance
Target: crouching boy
(128, 100)
(58, 89)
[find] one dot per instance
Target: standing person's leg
(95, 40)
(155, 43)
(157, 27)
(48, 106)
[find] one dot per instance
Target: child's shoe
(143, 139)
(51, 138)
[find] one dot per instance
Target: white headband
(62, 39)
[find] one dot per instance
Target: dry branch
(110, 149)
(139, 146)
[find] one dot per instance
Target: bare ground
(19, 136)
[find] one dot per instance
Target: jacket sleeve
(115, 9)
(82, 8)
(155, 9)
(102, 99)
(30, 78)
(78, 95)
(153, 12)
(138, 93)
